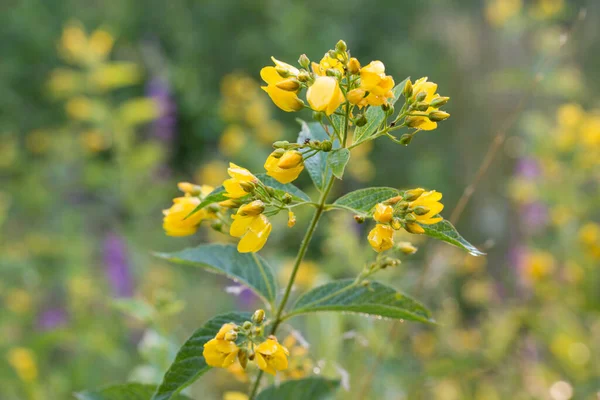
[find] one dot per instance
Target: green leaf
(249, 269)
(213, 197)
(314, 388)
(337, 160)
(282, 188)
(373, 298)
(363, 201)
(446, 232)
(375, 116)
(126, 391)
(189, 363)
(317, 164)
(337, 121)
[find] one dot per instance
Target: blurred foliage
(90, 149)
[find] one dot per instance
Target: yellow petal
(287, 101)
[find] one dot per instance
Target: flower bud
(230, 203)
(356, 95)
(258, 331)
(283, 72)
(247, 326)
(353, 66)
(341, 46)
(304, 76)
(333, 72)
(217, 226)
(396, 224)
(318, 116)
(413, 194)
(291, 219)
(413, 227)
(281, 144)
(421, 96)
(332, 54)
(259, 316)
(291, 85)
(277, 153)
(248, 187)
(406, 248)
(413, 122)
(406, 139)
(387, 108)
(361, 121)
(439, 101)
(408, 89)
(359, 218)
(287, 198)
(402, 206)
(243, 358)
(420, 106)
(213, 208)
(437, 116)
(393, 200)
(421, 210)
(189, 188)
(251, 209)
(304, 61)
(231, 336)
(290, 159)
(410, 218)
(383, 213)
(326, 145)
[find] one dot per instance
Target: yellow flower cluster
(234, 342)
(22, 360)
(177, 220)
(427, 101)
(409, 211)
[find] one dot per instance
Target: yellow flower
(538, 265)
(220, 353)
(325, 94)
(424, 123)
(235, 396)
(381, 238)
(175, 222)
(252, 226)
(383, 213)
(374, 81)
(426, 207)
(291, 219)
(239, 176)
(327, 62)
(286, 168)
(284, 99)
(271, 357)
(23, 362)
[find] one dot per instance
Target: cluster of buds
(408, 211)
(423, 104)
(244, 343)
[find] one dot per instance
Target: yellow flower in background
(271, 357)
(498, 12)
(139, 111)
(538, 265)
(64, 81)
(570, 115)
(325, 94)
(115, 75)
(80, 108)
(240, 179)
(235, 396)
(233, 140)
(327, 62)
(285, 99)
(426, 207)
(175, 222)
(93, 141)
(76, 47)
(379, 85)
(429, 88)
(589, 236)
(212, 172)
(300, 364)
(251, 226)
(22, 360)
(381, 238)
(18, 301)
(383, 213)
(285, 168)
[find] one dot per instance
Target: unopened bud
(291, 219)
(258, 330)
(287, 198)
(247, 325)
(406, 248)
(393, 200)
(243, 358)
(421, 210)
(355, 96)
(217, 226)
(304, 61)
(213, 208)
(259, 316)
(420, 106)
(396, 224)
(270, 190)
(318, 116)
(353, 66)
(231, 336)
(332, 54)
(283, 72)
(290, 159)
(439, 101)
(230, 203)
(361, 121)
(304, 76)
(341, 46)
(359, 218)
(410, 218)
(278, 153)
(333, 72)
(281, 144)
(406, 139)
(421, 96)
(189, 188)
(408, 89)
(251, 209)
(388, 108)
(326, 145)
(290, 85)
(414, 122)
(403, 205)
(248, 187)
(413, 194)
(413, 227)
(438, 116)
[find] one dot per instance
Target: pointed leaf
(337, 161)
(126, 391)
(282, 188)
(213, 197)
(314, 388)
(446, 232)
(373, 298)
(375, 116)
(317, 164)
(249, 269)
(363, 201)
(189, 363)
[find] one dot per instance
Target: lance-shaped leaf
(315, 388)
(375, 116)
(363, 201)
(372, 298)
(337, 160)
(316, 165)
(126, 391)
(189, 363)
(446, 232)
(213, 197)
(249, 269)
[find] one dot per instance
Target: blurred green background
(91, 151)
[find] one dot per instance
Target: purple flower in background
(116, 266)
(52, 318)
(535, 216)
(527, 168)
(164, 126)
